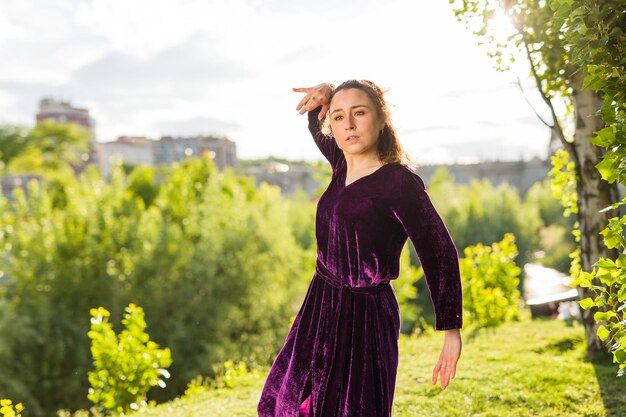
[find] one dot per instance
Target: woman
(340, 356)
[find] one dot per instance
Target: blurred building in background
(136, 150)
(63, 112)
(166, 150)
(222, 150)
(289, 177)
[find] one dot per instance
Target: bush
(490, 280)
(228, 375)
(480, 211)
(7, 409)
(126, 367)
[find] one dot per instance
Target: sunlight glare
(501, 27)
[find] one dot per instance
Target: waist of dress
(333, 280)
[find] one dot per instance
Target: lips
(349, 138)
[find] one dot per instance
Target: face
(354, 122)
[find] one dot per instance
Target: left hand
(315, 96)
(448, 358)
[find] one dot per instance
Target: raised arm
(326, 144)
(435, 248)
(316, 102)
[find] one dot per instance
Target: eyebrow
(353, 107)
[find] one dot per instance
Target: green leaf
(604, 315)
(620, 355)
(604, 137)
(583, 280)
(592, 82)
(608, 166)
(613, 237)
(602, 332)
(605, 263)
(606, 277)
(554, 4)
(586, 303)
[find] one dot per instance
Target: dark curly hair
(388, 147)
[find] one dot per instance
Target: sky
(226, 68)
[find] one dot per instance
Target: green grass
(529, 368)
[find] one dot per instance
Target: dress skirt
(340, 356)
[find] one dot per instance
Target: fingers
(303, 102)
(309, 105)
(323, 112)
(311, 100)
(447, 372)
(306, 97)
(446, 364)
(445, 378)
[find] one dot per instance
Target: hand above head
(448, 358)
(315, 96)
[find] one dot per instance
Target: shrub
(126, 367)
(490, 280)
(7, 409)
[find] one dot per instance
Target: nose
(350, 123)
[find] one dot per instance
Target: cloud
(189, 65)
(486, 148)
(531, 120)
(199, 125)
(480, 90)
(20, 102)
(306, 54)
(118, 87)
(433, 128)
(475, 124)
(319, 6)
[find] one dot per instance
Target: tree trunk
(594, 194)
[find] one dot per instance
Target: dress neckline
(345, 176)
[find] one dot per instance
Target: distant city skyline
(190, 67)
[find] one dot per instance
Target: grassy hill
(529, 368)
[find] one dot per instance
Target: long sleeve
(435, 248)
(326, 144)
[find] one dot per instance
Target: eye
(337, 118)
(359, 112)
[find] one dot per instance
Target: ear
(381, 123)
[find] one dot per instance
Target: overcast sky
(226, 67)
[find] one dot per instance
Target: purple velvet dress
(342, 348)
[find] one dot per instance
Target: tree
(13, 140)
(48, 146)
(540, 35)
(596, 31)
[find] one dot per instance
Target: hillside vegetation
(528, 368)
